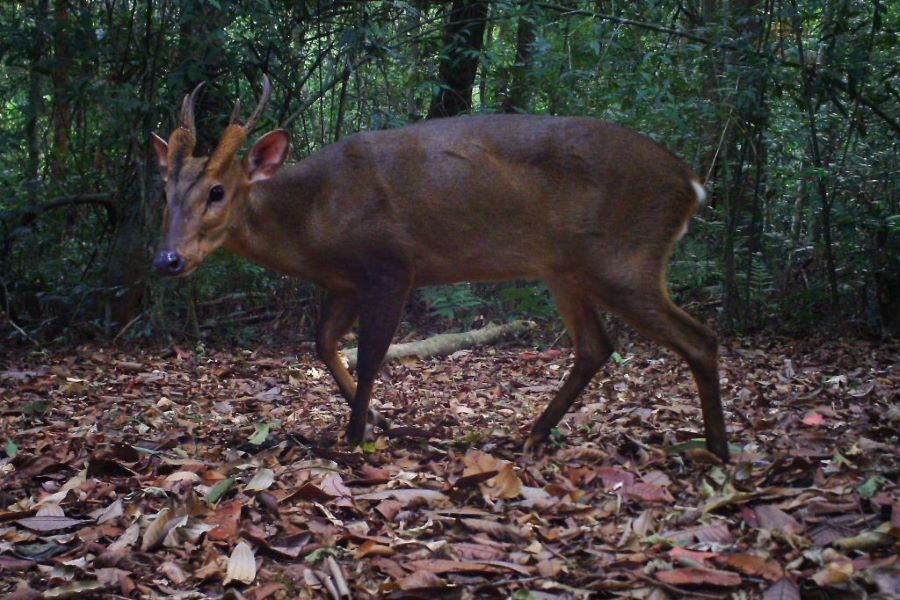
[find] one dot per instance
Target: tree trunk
(887, 282)
(414, 70)
(809, 103)
(710, 129)
(129, 260)
(62, 109)
(463, 41)
(518, 97)
(742, 152)
(201, 44)
(35, 89)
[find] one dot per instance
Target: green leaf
(35, 408)
(317, 556)
(368, 447)
(871, 486)
(556, 439)
(839, 459)
(707, 490)
(655, 539)
(717, 475)
(220, 489)
(261, 434)
(11, 449)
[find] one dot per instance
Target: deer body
(489, 198)
(591, 208)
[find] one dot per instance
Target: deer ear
(267, 155)
(162, 154)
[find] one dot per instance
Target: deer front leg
(338, 315)
(380, 307)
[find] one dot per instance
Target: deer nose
(169, 263)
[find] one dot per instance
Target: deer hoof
(378, 421)
(356, 433)
(719, 447)
(533, 445)
(359, 433)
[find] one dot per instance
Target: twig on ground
(338, 575)
(128, 325)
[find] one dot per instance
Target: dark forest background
(788, 109)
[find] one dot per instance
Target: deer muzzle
(169, 263)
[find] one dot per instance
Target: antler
(187, 110)
(254, 118)
(266, 94)
(236, 134)
(184, 138)
(235, 113)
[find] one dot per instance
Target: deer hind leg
(649, 310)
(592, 349)
(338, 315)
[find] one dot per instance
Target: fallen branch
(448, 343)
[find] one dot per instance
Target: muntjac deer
(591, 208)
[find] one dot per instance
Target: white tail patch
(701, 198)
(699, 190)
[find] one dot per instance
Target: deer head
(205, 195)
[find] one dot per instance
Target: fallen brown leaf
(695, 576)
(755, 566)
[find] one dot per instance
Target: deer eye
(216, 193)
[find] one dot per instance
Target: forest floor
(192, 473)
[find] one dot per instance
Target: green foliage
(320, 554)
(453, 302)
(619, 359)
(871, 487)
(802, 222)
(530, 300)
(260, 434)
(218, 491)
(696, 268)
(464, 303)
(761, 285)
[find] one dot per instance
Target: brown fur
(181, 147)
(233, 139)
